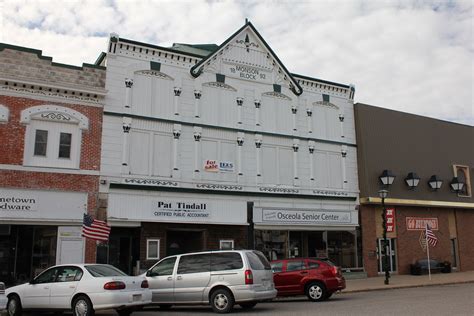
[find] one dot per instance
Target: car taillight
(115, 285)
(144, 284)
(335, 271)
(248, 277)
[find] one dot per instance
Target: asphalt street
(457, 299)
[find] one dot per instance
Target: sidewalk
(404, 281)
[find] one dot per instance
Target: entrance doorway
(179, 241)
(391, 253)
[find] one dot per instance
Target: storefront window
(317, 245)
(296, 245)
(342, 248)
(44, 248)
(272, 243)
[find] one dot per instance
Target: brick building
(217, 147)
(50, 143)
(417, 150)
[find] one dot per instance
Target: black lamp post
(387, 178)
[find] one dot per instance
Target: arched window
(53, 136)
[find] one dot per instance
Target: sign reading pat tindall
(306, 216)
(181, 210)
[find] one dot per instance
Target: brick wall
(30, 65)
(407, 242)
(465, 235)
(12, 134)
(212, 234)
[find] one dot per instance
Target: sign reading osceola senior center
(306, 216)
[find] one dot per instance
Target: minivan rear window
(226, 261)
(258, 261)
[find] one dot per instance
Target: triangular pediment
(245, 55)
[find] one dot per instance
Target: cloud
(413, 56)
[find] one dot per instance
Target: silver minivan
(219, 278)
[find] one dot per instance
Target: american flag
(430, 236)
(95, 229)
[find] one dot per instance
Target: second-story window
(41, 142)
(65, 145)
(53, 136)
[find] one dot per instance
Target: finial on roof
(246, 20)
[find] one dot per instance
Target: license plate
(137, 297)
(266, 284)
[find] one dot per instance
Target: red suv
(316, 278)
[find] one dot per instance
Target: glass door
(391, 252)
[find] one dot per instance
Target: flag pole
(428, 251)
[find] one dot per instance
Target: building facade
(215, 147)
(50, 135)
(417, 150)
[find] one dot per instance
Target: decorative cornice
(220, 85)
(154, 73)
(151, 182)
(326, 104)
(278, 190)
(277, 95)
(219, 187)
(330, 193)
(54, 112)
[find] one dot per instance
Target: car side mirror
(150, 273)
(32, 281)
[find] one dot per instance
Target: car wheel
(165, 307)
(124, 312)
(222, 301)
(82, 306)
(14, 306)
(316, 291)
(248, 305)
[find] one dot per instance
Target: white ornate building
(208, 146)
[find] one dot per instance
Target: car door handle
(170, 278)
(179, 278)
(304, 272)
(46, 288)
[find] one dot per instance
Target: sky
(410, 56)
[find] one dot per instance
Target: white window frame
(55, 120)
(148, 248)
(222, 241)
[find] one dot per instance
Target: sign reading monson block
(419, 223)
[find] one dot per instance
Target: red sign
(390, 220)
(419, 223)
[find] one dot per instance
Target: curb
(394, 287)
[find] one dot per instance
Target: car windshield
(104, 271)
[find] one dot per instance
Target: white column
(240, 143)
(294, 110)
(176, 135)
(240, 102)
(341, 120)
(258, 145)
(295, 147)
(197, 144)
(343, 165)
(309, 120)
(257, 103)
(177, 93)
(197, 98)
(311, 160)
(128, 94)
(126, 126)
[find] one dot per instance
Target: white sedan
(83, 288)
